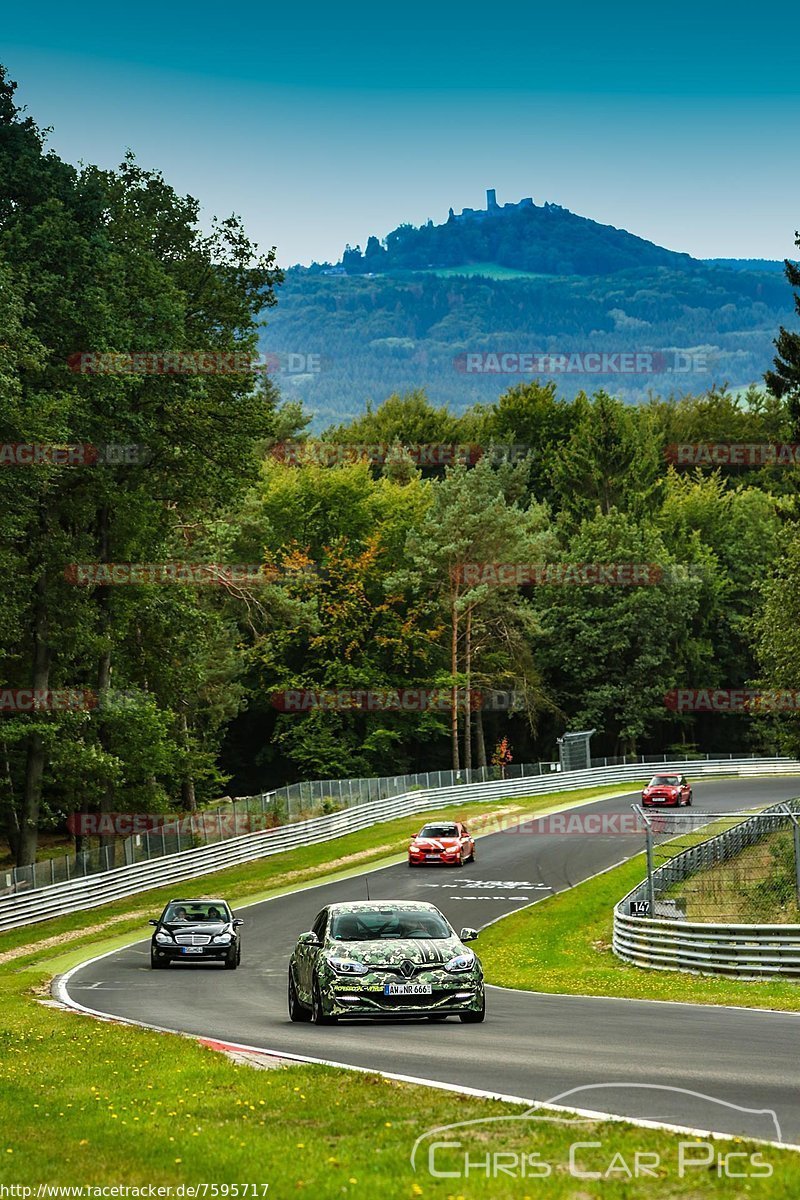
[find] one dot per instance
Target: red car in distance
(667, 789)
(446, 842)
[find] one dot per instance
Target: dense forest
(414, 549)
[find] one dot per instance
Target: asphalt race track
(607, 1055)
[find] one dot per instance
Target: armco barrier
(44, 903)
(704, 947)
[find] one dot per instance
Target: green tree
(112, 261)
(612, 652)
(784, 381)
(476, 517)
(612, 459)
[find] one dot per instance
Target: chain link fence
(733, 868)
(294, 802)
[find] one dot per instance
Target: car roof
(196, 900)
(381, 905)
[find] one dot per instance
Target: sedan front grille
(192, 939)
(397, 968)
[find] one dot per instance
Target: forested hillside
(337, 342)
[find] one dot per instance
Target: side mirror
(308, 939)
(237, 922)
(152, 922)
(468, 935)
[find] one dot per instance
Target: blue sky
(321, 125)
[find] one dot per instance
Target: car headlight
(347, 966)
(163, 939)
(223, 939)
(462, 962)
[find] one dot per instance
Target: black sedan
(196, 930)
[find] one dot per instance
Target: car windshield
(434, 831)
(377, 924)
(196, 910)
(665, 781)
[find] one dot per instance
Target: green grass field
(487, 270)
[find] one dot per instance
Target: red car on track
(667, 789)
(442, 842)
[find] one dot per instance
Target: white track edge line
(63, 996)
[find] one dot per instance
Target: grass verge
(94, 1104)
(563, 944)
(83, 1102)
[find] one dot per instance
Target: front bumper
(198, 953)
(364, 996)
(424, 859)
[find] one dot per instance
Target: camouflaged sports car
(381, 959)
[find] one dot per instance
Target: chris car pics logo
(522, 1146)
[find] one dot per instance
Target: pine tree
(784, 381)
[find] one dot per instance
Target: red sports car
(442, 842)
(667, 789)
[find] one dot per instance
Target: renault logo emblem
(407, 968)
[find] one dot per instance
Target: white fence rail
(749, 951)
(90, 892)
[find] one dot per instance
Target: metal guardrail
(90, 892)
(747, 951)
(230, 818)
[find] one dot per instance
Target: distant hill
(466, 309)
(539, 239)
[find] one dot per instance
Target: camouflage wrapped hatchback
(384, 958)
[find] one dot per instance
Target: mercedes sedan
(384, 959)
(192, 930)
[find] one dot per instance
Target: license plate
(433, 856)
(407, 989)
(192, 949)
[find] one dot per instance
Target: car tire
(158, 964)
(231, 961)
(689, 801)
(474, 1018)
(318, 1014)
(297, 1011)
